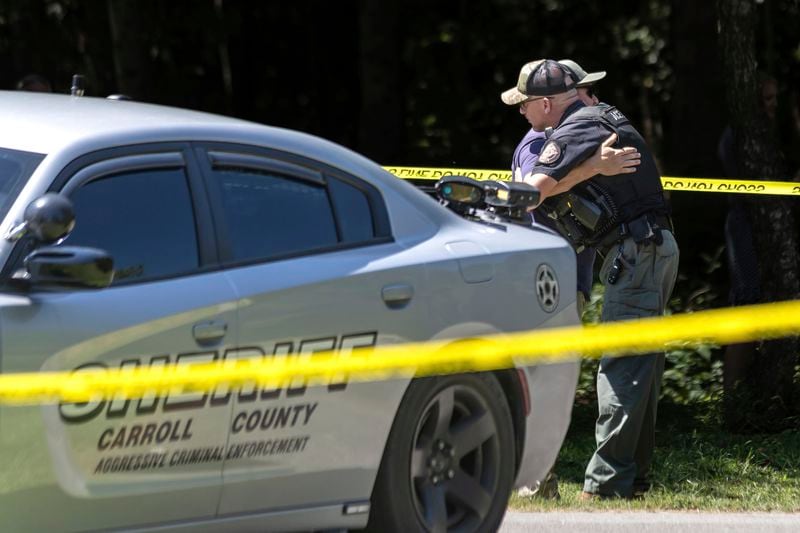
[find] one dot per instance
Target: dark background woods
(412, 82)
(417, 82)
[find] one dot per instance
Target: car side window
(268, 214)
(144, 219)
(353, 212)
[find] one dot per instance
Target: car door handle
(209, 332)
(398, 295)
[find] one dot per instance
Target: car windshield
(15, 169)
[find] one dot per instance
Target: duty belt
(644, 228)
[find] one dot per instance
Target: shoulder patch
(551, 152)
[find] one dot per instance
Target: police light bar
(511, 194)
(461, 191)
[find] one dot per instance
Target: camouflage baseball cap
(543, 77)
(581, 77)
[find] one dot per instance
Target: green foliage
(587, 389)
(693, 374)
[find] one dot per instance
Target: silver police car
(228, 240)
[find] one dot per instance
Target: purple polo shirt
(525, 158)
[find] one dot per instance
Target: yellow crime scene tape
(786, 188)
(722, 326)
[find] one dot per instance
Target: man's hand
(610, 161)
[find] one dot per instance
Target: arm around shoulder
(606, 160)
(544, 183)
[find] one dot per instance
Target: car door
(314, 264)
(114, 462)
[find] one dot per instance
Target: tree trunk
(381, 114)
(224, 56)
(695, 57)
(129, 20)
(765, 395)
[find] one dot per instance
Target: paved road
(641, 522)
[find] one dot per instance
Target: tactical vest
(634, 194)
(608, 201)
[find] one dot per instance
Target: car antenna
(77, 85)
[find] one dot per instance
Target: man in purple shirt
(606, 160)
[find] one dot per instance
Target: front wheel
(449, 461)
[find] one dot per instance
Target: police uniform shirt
(570, 144)
(575, 140)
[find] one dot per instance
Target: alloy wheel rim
(455, 461)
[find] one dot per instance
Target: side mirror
(50, 218)
(69, 266)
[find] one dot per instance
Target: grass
(697, 466)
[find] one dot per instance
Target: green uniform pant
(628, 387)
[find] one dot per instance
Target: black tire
(449, 461)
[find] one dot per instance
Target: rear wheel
(449, 461)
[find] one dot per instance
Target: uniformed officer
(626, 218)
(608, 161)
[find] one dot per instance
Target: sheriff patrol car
(230, 240)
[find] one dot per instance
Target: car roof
(71, 126)
(43, 123)
(49, 123)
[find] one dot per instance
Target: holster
(581, 216)
(644, 228)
